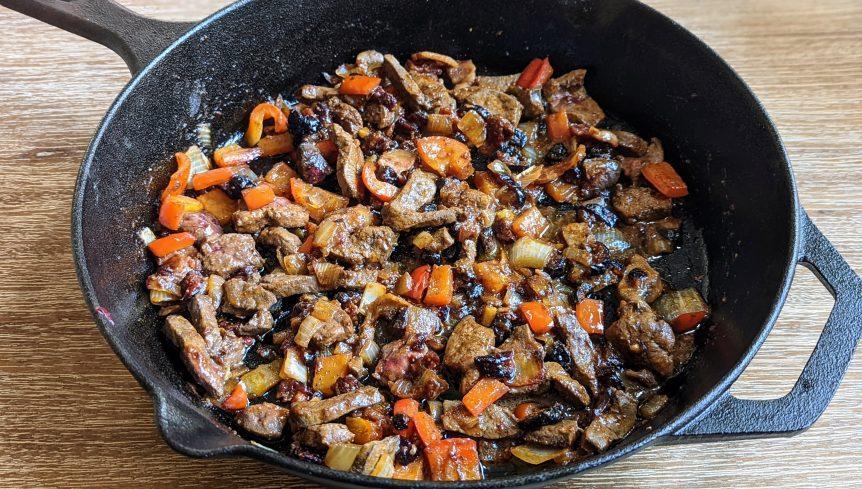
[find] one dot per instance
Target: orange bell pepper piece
(384, 191)
(420, 277)
(237, 400)
(535, 74)
(440, 286)
(173, 242)
(358, 85)
(484, 393)
(445, 156)
(233, 154)
(263, 111)
(665, 179)
(453, 459)
(179, 179)
(558, 126)
(426, 428)
(257, 197)
(212, 178)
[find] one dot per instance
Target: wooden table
(71, 414)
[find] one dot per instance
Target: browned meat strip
(427, 385)
(331, 276)
(567, 94)
(562, 435)
(379, 116)
(613, 424)
(202, 313)
(643, 337)
(404, 359)
(419, 321)
(640, 204)
(581, 350)
(172, 272)
(437, 96)
(229, 253)
(345, 115)
(265, 420)
(201, 225)
(500, 83)
(683, 350)
(631, 142)
(531, 100)
(600, 174)
(280, 238)
(284, 285)
(260, 322)
(474, 209)
(324, 435)
(370, 244)
(319, 411)
(193, 351)
(494, 423)
(243, 297)
(280, 212)
(312, 165)
(462, 75)
(403, 81)
(495, 101)
(569, 387)
(350, 161)
(338, 327)
(468, 340)
(640, 281)
(402, 212)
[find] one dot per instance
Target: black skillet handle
(800, 408)
(189, 431)
(137, 39)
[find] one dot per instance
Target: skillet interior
(642, 67)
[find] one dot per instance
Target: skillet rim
(323, 474)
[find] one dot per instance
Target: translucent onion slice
(530, 253)
(372, 292)
(307, 329)
(200, 162)
(146, 235)
(341, 456)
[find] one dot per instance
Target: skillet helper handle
(191, 432)
(800, 408)
(137, 39)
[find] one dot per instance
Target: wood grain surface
(72, 416)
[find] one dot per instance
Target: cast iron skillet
(642, 65)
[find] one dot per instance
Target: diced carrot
(484, 393)
(327, 370)
(363, 430)
(445, 156)
(384, 191)
(179, 179)
(237, 400)
(420, 278)
(485, 183)
(665, 179)
(492, 276)
(276, 144)
(440, 286)
(590, 313)
(407, 407)
(307, 245)
(537, 316)
(255, 121)
(358, 85)
(219, 204)
(257, 197)
(525, 409)
(530, 223)
(426, 428)
(168, 244)
(558, 126)
(453, 459)
(212, 178)
(233, 155)
(535, 74)
(414, 471)
(317, 201)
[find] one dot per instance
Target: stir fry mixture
(415, 272)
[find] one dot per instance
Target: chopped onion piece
(341, 456)
(200, 162)
(372, 292)
(369, 353)
(439, 124)
(146, 235)
(159, 297)
(307, 329)
(530, 253)
(262, 378)
(535, 455)
(435, 409)
(294, 366)
(204, 132)
(323, 234)
(613, 239)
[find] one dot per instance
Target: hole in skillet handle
(731, 417)
(190, 431)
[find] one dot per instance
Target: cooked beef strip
(319, 411)
(565, 384)
(567, 94)
(280, 238)
(529, 355)
(640, 281)
(193, 350)
(345, 115)
(581, 350)
(640, 204)
(266, 420)
(350, 161)
(402, 213)
(494, 101)
(420, 321)
(283, 285)
(260, 323)
(201, 225)
(501, 83)
(643, 337)
(242, 297)
(561, 435)
(280, 212)
(229, 253)
(614, 423)
(468, 340)
(403, 81)
(202, 313)
(324, 435)
(494, 423)
(437, 96)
